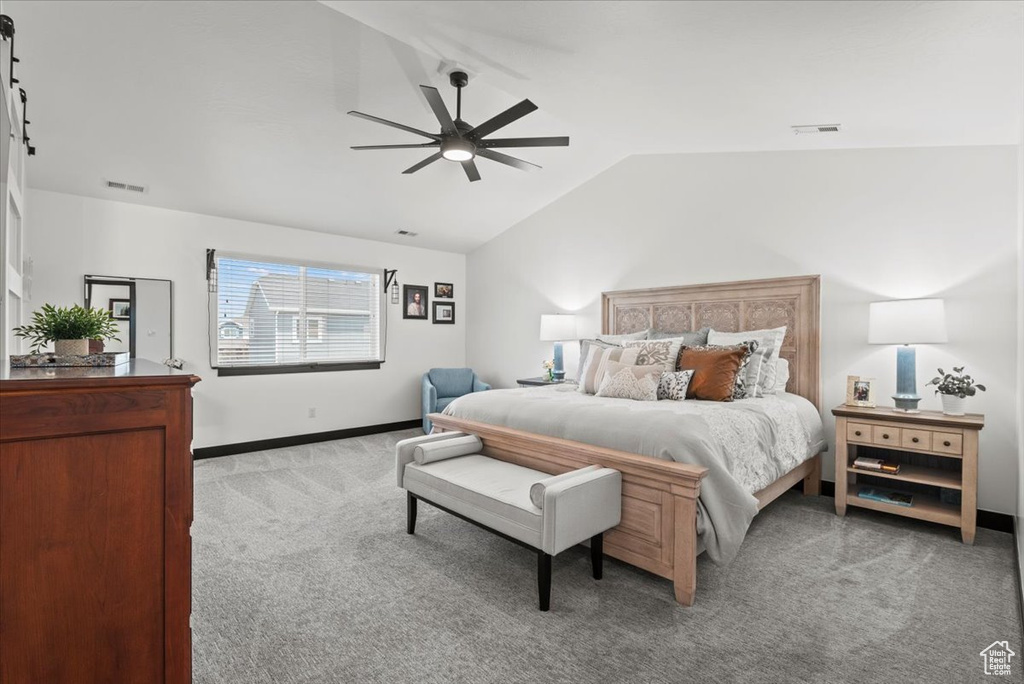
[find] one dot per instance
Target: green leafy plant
(955, 383)
(52, 323)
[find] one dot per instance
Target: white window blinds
(272, 312)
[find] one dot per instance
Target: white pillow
(782, 375)
(769, 340)
(623, 381)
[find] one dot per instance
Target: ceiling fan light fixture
(458, 150)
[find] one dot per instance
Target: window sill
(228, 371)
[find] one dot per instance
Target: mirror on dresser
(142, 309)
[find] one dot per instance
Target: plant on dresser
(70, 329)
(955, 387)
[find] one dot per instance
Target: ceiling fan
(460, 142)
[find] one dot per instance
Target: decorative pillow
(697, 338)
(665, 352)
(622, 339)
(673, 385)
(623, 381)
(782, 374)
(768, 338)
(585, 347)
(714, 370)
(746, 376)
(594, 366)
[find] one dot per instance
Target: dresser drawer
(858, 432)
(916, 439)
(885, 436)
(947, 443)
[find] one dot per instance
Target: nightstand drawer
(858, 432)
(947, 443)
(916, 439)
(885, 436)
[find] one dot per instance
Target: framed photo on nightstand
(860, 391)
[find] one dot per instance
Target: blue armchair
(442, 386)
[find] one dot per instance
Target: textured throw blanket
(745, 445)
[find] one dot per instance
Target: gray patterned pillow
(664, 352)
(746, 376)
(623, 381)
(673, 385)
(768, 338)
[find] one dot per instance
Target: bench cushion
(493, 493)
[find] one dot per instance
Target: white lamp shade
(557, 327)
(907, 321)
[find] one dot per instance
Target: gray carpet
(303, 573)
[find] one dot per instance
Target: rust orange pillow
(714, 371)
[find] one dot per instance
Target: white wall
(876, 224)
(72, 235)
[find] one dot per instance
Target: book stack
(886, 496)
(877, 465)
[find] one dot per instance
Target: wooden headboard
(732, 307)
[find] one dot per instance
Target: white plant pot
(953, 405)
(71, 347)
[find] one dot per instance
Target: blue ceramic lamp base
(558, 372)
(906, 397)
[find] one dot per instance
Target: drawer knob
(885, 435)
(947, 443)
(857, 433)
(915, 440)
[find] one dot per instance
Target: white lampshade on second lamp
(557, 328)
(906, 322)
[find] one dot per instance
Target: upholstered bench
(534, 509)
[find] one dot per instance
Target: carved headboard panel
(732, 307)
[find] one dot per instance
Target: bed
(694, 473)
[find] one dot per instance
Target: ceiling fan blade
(505, 159)
(561, 141)
(399, 126)
(471, 172)
(504, 119)
(395, 147)
(429, 160)
(436, 103)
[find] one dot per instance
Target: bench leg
(597, 555)
(544, 579)
(410, 515)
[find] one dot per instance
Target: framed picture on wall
(444, 313)
(444, 291)
(120, 309)
(860, 391)
(414, 298)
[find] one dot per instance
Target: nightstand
(947, 439)
(540, 382)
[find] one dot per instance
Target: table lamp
(556, 328)
(907, 322)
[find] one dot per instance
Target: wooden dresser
(953, 439)
(95, 510)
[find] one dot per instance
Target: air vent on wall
(817, 128)
(130, 187)
(406, 233)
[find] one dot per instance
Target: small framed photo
(120, 309)
(415, 298)
(860, 391)
(444, 291)
(444, 312)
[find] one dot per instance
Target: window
(274, 316)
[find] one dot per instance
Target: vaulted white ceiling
(237, 109)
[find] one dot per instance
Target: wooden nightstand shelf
(928, 433)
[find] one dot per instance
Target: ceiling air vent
(406, 233)
(817, 128)
(117, 185)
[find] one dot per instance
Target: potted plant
(955, 387)
(70, 329)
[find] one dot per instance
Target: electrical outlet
(312, 412)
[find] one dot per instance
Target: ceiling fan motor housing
(458, 79)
